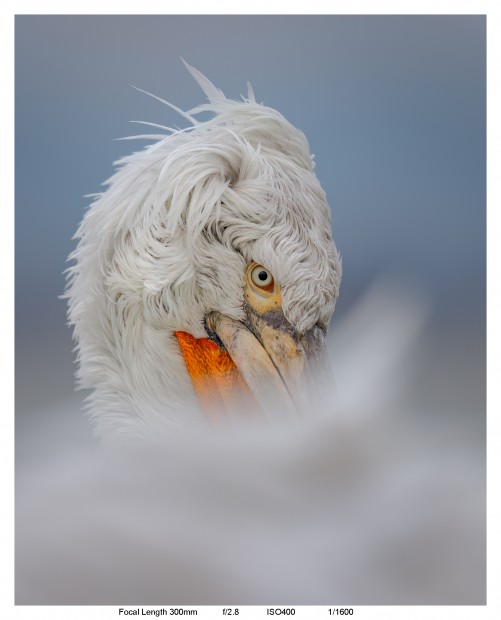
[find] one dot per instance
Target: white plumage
(368, 503)
(168, 242)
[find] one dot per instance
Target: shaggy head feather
(169, 241)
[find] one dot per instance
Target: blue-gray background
(393, 108)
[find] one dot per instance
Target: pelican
(205, 275)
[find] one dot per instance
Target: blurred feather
(359, 504)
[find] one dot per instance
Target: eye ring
(262, 278)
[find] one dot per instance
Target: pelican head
(205, 275)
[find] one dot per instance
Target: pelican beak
(259, 364)
(280, 368)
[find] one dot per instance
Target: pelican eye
(262, 278)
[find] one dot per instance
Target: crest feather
(213, 93)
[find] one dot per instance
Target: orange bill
(220, 387)
(263, 364)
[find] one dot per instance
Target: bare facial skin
(273, 358)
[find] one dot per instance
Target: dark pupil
(262, 275)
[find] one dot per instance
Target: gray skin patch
(312, 343)
(273, 318)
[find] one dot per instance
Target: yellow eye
(262, 278)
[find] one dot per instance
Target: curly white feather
(168, 241)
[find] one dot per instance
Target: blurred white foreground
(361, 503)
